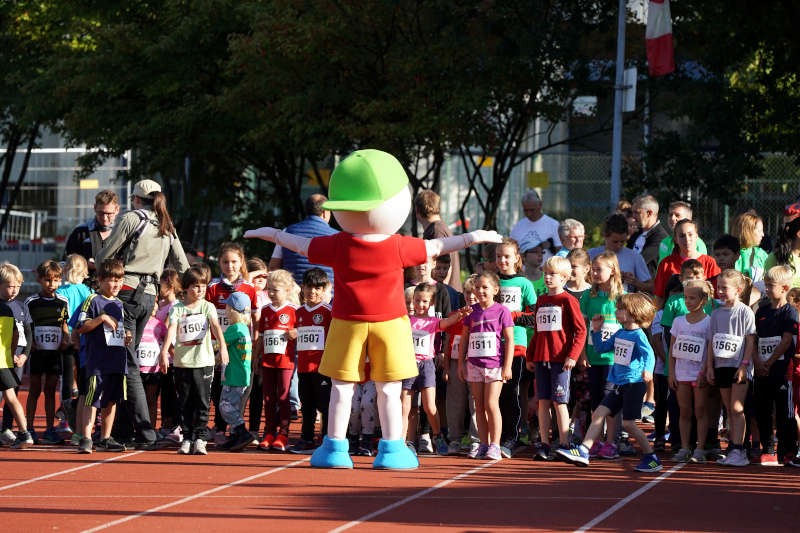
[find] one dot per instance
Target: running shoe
(199, 447)
(175, 435)
(507, 448)
(454, 448)
(266, 442)
(647, 419)
(364, 447)
(625, 448)
(305, 447)
(75, 439)
(794, 462)
(699, 456)
(7, 437)
(578, 455)
(608, 451)
(493, 452)
(683, 455)
(478, 451)
(595, 449)
(281, 443)
(110, 445)
(241, 440)
(737, 457)
(425, 445)
(220, 438)
(659, 445)
(411, 447)
(50, 437)
(649, 463)
(186, 447)
(24, 440)
(441, 445)
(85, 445)
(543, 453)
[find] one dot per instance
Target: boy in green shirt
(237, 373)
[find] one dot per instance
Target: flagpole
(616, 142)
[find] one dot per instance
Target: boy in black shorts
(9, 337)
(49, 313)
(101, 322)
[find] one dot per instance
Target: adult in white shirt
(536, 226)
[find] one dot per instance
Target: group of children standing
(563, 338)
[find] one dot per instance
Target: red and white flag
(660, 57)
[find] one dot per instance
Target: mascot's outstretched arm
(282, 238)
(445, 245)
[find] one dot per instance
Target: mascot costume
(370, 198)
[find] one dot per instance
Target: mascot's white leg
(334, 452)
(393, 453)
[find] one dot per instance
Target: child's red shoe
(265, 444)
(281, 443)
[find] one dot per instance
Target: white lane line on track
(382, 510)
(625, 501)
(194, 496)
(69, 470)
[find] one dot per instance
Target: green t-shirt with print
(599, 305)
(193, 347)
(240, 353)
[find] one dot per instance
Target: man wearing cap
(316, 224)
(145, 240)
(371, 200)
(536, 226)
(88, 238)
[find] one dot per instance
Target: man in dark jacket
(652, 232)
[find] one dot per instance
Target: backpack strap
(134, 236)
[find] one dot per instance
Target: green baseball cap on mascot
(364, 180)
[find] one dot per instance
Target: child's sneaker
(736, 457)
(699, 456)
(410, 446)
(608, 451)
(425, 445)
(507, 448)
(302, 447)
(659, 445)
(474, 447)
(220, 438)
(281, 443)
(575, 454)
(595, 449)
(649, 463)
(85, 445)
(266, 442)
(493, 452)
(75, 439)
(364, 447)
(50, 436)
(625, 448)
(63, 430)
(683, 455)
(24, 440)
(7, 437)
(110, 445)
(454, 448)
(199, 447)
(441, 445)
(186, 447)
(480, 452)
(543, 453)
(175, 435)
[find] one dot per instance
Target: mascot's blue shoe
(394, 455)
(332, 454)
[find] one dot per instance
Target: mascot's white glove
(445, 245)
(287, 240)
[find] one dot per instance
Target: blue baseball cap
(239, 301)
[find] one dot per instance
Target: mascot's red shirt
(368, 276)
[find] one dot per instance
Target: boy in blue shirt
(634, 361)
(101, 323)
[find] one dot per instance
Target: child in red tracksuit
(553, 350)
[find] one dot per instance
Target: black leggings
(510, 408)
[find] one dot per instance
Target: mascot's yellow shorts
(388, 344)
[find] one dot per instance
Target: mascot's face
(385, 219)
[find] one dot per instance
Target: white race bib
(47, 337)
(766, 347)
(422, 342)
(224, 321)
(310, 338)
(623, 351)
(726, 346)
(689, 347)
(548, 319)
(22, 341)
(114, 337)
(275, 341)
(482, 344)
(192, 328)
(454, 351)
(147, 353)
(511, 298)
(606, 331)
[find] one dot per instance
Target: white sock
(339, 408)
(390, 409)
